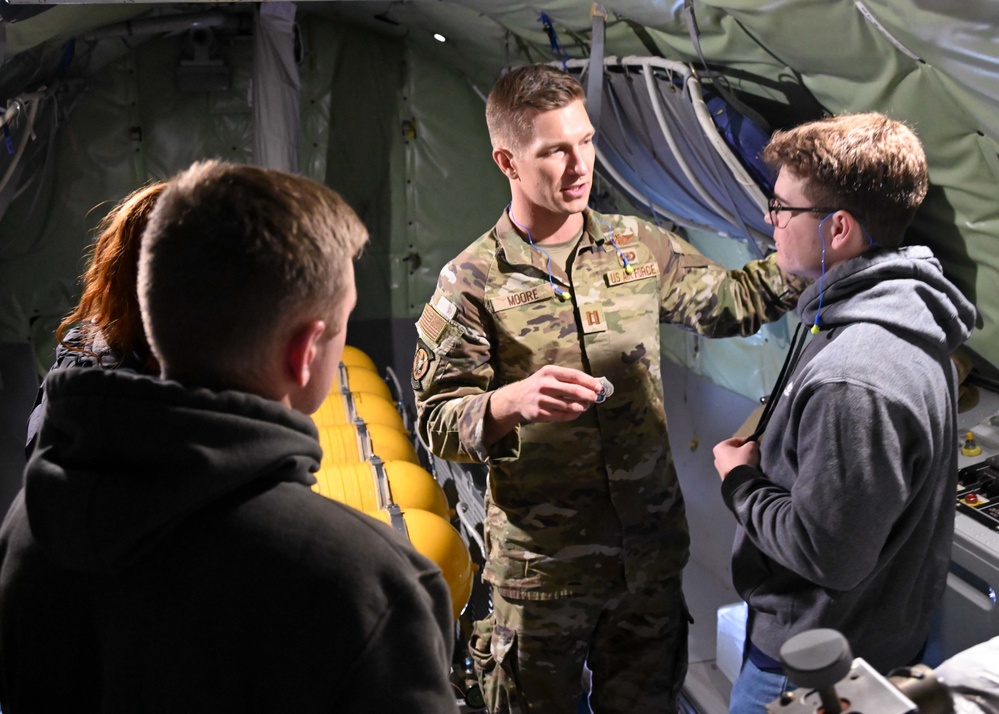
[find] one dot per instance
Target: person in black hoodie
(166, 552)
(845, 508)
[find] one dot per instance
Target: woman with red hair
(105, 329)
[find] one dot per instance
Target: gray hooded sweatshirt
(849, 520)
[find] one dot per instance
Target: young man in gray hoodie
(845, 506)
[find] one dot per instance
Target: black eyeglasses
(774, 208)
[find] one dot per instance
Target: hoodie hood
(122, 459)
(904, 291)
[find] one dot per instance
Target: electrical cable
(624, 259)
(561, 294)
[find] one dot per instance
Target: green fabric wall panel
(355, 77)
(130, 125)
(94, 165)
(851, 65)
(179, 128)
(454, 190)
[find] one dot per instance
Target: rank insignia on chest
(592, 319)
(640, 272)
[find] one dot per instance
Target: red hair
(109, 305)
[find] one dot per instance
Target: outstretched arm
(709, 299)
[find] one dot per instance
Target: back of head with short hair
(521, 92)
(235, 259)
(867, 164)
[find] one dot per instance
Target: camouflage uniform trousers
(529, 654)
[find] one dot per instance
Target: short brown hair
(514, 97)
(234, 259)
(109, 305)
(867, 164)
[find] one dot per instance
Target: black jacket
(81, 348)
(167, 554)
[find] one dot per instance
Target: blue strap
(561, 54)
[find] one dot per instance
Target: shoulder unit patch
(422, 360)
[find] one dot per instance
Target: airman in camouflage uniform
(585, 527)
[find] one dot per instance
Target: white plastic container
(730, 639)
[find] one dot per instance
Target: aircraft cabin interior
(384, 102)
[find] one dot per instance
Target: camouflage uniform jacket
(575, 507)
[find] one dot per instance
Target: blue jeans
(754, 689)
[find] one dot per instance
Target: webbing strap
(595, 78)
(719, 83)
